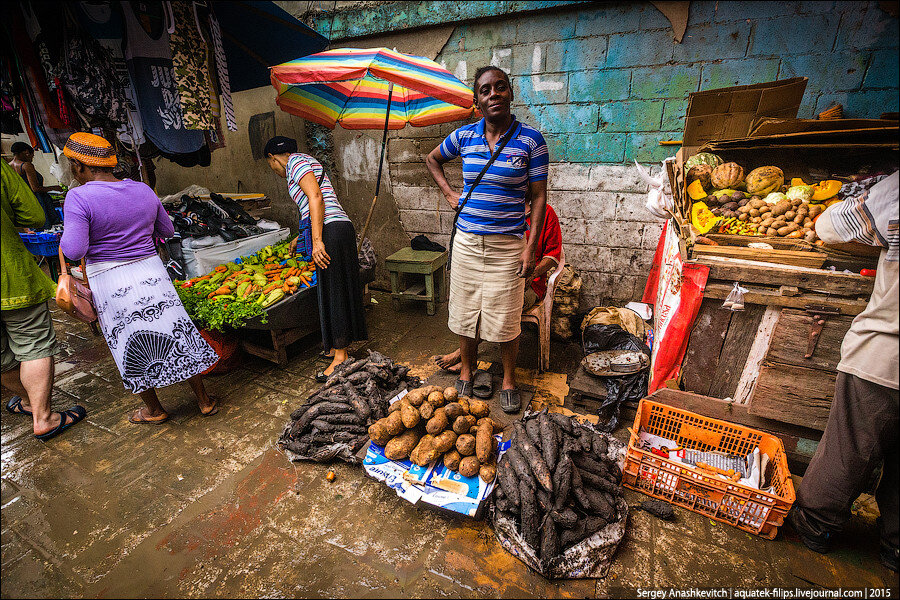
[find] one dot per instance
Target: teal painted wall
(605, 83)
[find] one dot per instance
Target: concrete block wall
(605, 83)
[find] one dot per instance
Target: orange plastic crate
(744, 507)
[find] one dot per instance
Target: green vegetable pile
(233, 294)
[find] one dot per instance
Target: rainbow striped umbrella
(371, 88)
(355, 87)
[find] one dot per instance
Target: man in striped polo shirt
(491, 259)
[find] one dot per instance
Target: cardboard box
(729, 113)
(433, 484)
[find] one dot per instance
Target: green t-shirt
(22, 283)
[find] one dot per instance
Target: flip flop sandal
(463, 388)
(482, 386)
(510, 401)
(211, 411)
(15, 406)
(138, 418)
(321, 377)
(67, 418)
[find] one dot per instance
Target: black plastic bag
(597, 338)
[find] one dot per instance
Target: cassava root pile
(429, 423)
(352, 398)
(557, 483)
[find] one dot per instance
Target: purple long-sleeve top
(113, 221)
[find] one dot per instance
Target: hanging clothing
(90, 78)
(222, 71)
(189, 59)
(105, 24)
(149, 62)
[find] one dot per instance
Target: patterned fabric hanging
(222, 70)
(191, 72)
(92, 81)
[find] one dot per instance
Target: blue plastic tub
(41, 244)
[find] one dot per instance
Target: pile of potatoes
(788, 218)
(429, 423)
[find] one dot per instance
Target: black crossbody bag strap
(487, 165)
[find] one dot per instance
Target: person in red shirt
(547, 253)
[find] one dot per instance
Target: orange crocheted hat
(90, 149)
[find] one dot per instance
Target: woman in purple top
(111, 223)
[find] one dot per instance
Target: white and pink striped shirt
(298, 166)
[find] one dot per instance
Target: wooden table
(430, 265)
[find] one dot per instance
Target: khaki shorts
(486, 294)
(26, 334)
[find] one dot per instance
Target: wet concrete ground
(208, 507)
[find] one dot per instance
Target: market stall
(763, 304)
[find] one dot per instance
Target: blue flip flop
(67, 418)
(15, 406)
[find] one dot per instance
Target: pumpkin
(729, 175)
(764, 180)
(703, 158)
(695, 190)
(702, 218)
(797, 181)
(825, 190)
(700, 173)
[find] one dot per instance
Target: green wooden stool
(419, 262)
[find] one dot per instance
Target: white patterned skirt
(150, 335)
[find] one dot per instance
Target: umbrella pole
(387, 116)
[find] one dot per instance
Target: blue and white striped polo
(497, 204)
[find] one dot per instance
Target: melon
(728, 175)
(764, 180)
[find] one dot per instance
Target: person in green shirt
(27, 340)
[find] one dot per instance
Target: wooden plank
(774, 297)
(759, 349)
(793, 394)
(790, 342)
(738, 341)
(704, 346)
(800, 258)
(799, 442)
(820, 280)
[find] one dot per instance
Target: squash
(797, 181)
(695, 190)
(701, 173)
(702, 218)
(825, 190)
(763, 180)
(729, 175)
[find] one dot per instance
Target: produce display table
(287, 321)
(431, 265)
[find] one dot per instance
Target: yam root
(520, 466)
(465, 444)
(394, 423)
(549, 538)
(528, 513)
(451, 460)
(436, 399)
(508, 481)
(416, 397)
(469, 466)
(454, 410)
(450, 394)
(410, 415)
(426, 411)
(463, 424)
(479, 408)
(425, 451)
(488, 472)
(548, 440)
(401, 446)
(378, 432)
(484, 443)
(445, 441)
(437, 423)
(534, 458)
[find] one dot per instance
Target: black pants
(341, 309)
(861, 431)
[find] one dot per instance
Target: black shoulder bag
(500, 145)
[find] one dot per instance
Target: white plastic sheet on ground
(588, 559)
